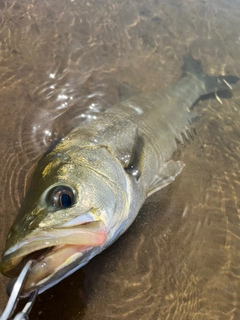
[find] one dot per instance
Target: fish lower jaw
(55, 260)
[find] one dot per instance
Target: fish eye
(62, 197)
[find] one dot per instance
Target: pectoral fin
(168, 173)
(114, 131)
(123, 141)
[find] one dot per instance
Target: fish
(88, 189)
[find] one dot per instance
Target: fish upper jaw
(53, 250)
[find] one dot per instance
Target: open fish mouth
(52, 250)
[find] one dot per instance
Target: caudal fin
(211, 83)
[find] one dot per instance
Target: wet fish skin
(111, 165)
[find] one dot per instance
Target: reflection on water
(61, 63)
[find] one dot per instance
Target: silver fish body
(89, 188)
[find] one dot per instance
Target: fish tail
(192, 67)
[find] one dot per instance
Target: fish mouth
(52, 250)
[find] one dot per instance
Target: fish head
(75, 207)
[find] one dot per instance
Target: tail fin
(212, 83)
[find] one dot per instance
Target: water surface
(63, 62)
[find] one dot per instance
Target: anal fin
(167, 174)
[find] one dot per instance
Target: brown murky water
(62, 62)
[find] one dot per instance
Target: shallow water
(62, 62)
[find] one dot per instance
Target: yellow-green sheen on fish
(87, 190)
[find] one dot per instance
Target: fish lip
(72, 239)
